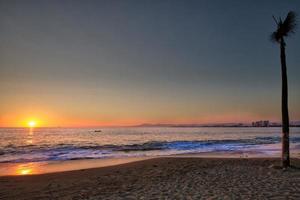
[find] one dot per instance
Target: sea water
(23, 145)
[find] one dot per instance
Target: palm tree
(284, 29)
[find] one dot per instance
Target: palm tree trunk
(284, 109)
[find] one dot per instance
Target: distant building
(265, 123)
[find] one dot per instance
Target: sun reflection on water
(29, 138)
(29, 141)
(31, 131)
(25, 169)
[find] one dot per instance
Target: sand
(163, 178)
(60, 166)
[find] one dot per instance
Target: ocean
(23, 145)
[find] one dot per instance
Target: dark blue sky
(106, 62)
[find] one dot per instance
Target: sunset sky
(90, 63)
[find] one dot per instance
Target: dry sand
(163, 178)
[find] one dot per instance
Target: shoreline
(169, 177)
(47, 167)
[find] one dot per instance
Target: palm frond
(289, 24)
(284, 28)
(274, 37)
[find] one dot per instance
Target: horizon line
(158, 124)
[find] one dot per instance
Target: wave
(38, 153)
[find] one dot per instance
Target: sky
(123, 62)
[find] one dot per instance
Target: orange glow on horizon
(49, 119)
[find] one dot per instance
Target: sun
(32, 124)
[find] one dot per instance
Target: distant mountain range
(272, 124)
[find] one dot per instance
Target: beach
(164, 178)
(147, 163)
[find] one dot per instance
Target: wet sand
(7, 169)
(163, 178)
